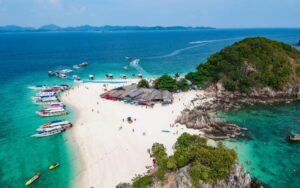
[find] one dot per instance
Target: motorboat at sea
(91, 77)
(109, 76)
(75, 77)
(294, 137)
(34, 178)
(65, 71)
(48, 133)
(62, 75)
(76, 67)
(83, 64)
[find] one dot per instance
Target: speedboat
(125, 67)
(109, 76)
(61, 75)
(140, 76)
(53, 166)
(294, 137)
(123, 76)
(52, 112)
(91, 77)
(76, 67)
(45, 93)
(42, 97)
(38, 87)
(51, 73)
(59, 104)
(61, 87)
(53, 128)
(44, 134)
(83, 64)
(34, 178)
(65, 71)
(46, 100)
(56, 123)
(75, 77)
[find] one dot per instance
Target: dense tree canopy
(166, 82)
(253, 62)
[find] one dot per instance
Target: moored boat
(50, 133)
(91, 77)
(51, 73)
(52, 112)
(75, 77)
(83, 64)
(54, 128)
(65, 71)
(76, 67)
(57, 123)
(63, 76)
(294, 137)
(52, 167)
(34, 178)
(59, 104)
(38, 87)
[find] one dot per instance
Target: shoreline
(98, 143)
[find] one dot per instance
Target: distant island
(106, 28)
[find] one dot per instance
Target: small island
(126, 129)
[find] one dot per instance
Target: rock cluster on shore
(203, 115)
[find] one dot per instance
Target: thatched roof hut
(141, 94)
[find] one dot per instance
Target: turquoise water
(274, 160)
(25, 59)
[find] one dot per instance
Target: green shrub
(183, 85)
(143, 84)
(142, 182)
(298, 71)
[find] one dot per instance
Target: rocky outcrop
(124, 185)
(202, 115)
(238, 178)
(212, 126)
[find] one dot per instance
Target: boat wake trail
(136, 64)
(196, 44)
(176, 52)
(217, 40)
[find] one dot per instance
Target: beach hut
(167, 97)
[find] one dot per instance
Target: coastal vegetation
(169, 83)
(143, 84)
(250, 63)
(206, 163)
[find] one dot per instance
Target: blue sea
(25, 59)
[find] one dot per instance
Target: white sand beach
(111, 150)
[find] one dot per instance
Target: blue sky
(216, 13)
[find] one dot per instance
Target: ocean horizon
(26, 58)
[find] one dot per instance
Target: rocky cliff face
(238, 178)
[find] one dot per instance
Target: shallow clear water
(25, 59)
(274, 160)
